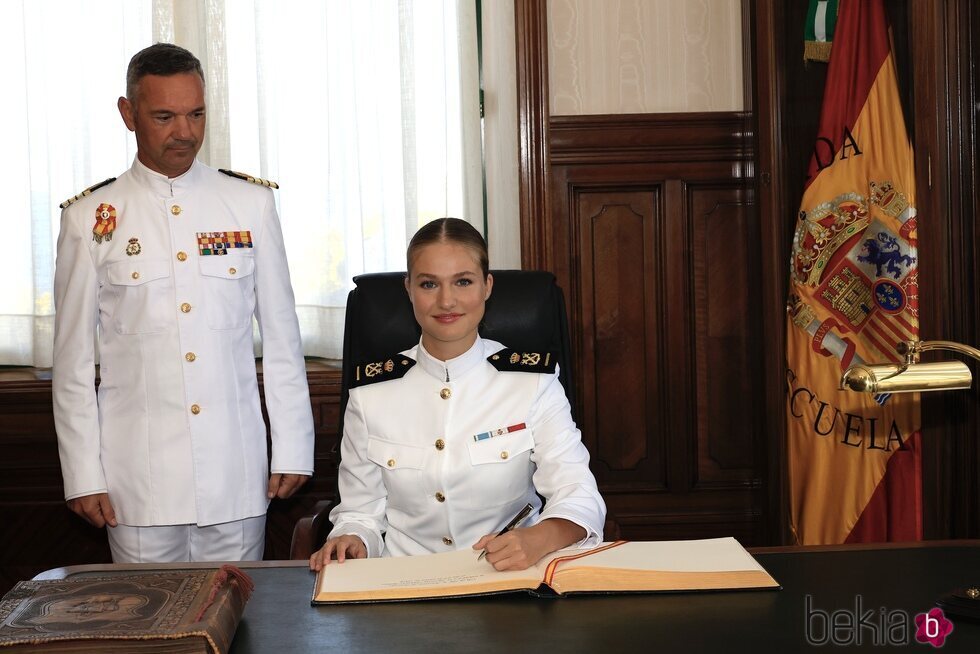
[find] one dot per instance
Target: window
(365, 112)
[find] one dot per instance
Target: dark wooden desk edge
(66, 571)
(854, 547)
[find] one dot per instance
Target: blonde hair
(449, 230)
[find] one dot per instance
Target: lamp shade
(906, 377)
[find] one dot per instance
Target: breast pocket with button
(502, 469)
(401, 468)
(140, 296)
(229, 289)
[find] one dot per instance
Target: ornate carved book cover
(619, 567)
(168, 611)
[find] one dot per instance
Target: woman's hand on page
(342, 547)
(519, 549)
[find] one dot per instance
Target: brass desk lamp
(911, 377)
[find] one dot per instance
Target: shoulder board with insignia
(249, 178)
(379, 371)
(508, 360)
(67, 203)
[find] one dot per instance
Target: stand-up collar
(162, 185)
(453, 369)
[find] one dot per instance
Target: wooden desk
(905, 578)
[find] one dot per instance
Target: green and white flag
(821, 18)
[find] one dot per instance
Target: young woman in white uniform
(444, 443)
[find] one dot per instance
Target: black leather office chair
(525, 312)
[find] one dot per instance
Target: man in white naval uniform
(166, 267)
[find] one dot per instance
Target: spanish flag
(854, 458)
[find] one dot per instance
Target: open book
(620, 567)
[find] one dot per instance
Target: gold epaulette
(508, 360)
(67, 203)
(249, 178)
(379, 371)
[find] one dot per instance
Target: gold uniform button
(445, 393)
(175, 210)
(195, 409)
(447, 541)
(185, 307)
(504, 454)
(136, 275)
(190, 356)
(391, 463)
(440, 497)
(232, 271)
(440, 444)
(181, 256)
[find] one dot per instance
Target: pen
(518, 519)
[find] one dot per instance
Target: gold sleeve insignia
(249, 178)
(67, 203)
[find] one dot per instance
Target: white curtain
(365, 112)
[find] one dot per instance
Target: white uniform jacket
(176, 435)
(451, 451)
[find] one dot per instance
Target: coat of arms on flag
(854, 459)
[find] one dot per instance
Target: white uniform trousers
(238, 540)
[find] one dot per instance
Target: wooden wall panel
(656, 240)
(725, 297)
(38, 532)
(617, 300)
(943, 50)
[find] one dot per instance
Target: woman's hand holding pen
(519, 549)
(344, 547)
